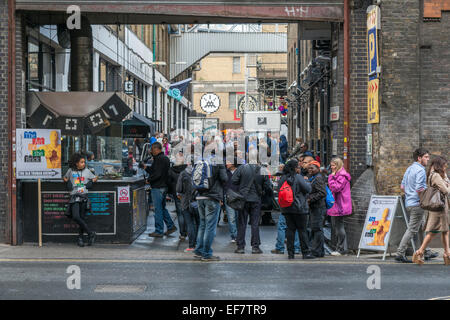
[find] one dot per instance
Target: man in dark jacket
(318, 209)
(252, 191)
(158, 177)
(231, 213)
(297, 214)
(208, 208)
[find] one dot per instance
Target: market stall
(92, 123)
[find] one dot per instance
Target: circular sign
(252, 104)
(176, 93)
(123, 193)
(210, 102)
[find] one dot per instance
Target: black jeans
(297, 222)
(192, 220)
(252, 209)
(317, 218)
(79, 215)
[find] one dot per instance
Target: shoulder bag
(431, 199)
(235, 199)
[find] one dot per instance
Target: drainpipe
(11, 228)
(81, 57)
(346, 84)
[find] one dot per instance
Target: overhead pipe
(346, 84)
(11, 228)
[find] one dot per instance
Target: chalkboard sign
(101, 218)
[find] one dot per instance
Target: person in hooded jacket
(297, 214)
(318, 209)
(189, 207)
(339, 184)
(283, 148)
(174, 173)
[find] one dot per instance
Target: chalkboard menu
(101, 218)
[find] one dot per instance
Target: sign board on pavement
(38, 153)
(379, 223)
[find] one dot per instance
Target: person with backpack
(189, 206)
(208, 179)
(292, 194)
(251, 181)
(317, 205)
(79, 179)
(339, 184)
(158, 176)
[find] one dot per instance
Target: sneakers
(256, 250)
(155, 235)
(212, 258)
(239, 250)
(336, 254)
(182, 238)
(170, 231)
(233, 241)
(197, 256)
(430, 255)
(402, 259)
(189, 250)
(91, 238)
(276, 251)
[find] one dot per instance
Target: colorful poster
(379, 223)
(38, 153)
(373, 115)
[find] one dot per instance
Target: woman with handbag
(79, 179)
(437, 220)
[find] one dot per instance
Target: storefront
(90, 122)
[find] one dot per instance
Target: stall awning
(72, 111)
(138, 127)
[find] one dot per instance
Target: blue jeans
(161, 214)
(281, 228)
(208, 214)
(231, 214)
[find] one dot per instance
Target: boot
(80, 241)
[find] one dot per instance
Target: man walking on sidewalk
(414, 181)
(158, 178)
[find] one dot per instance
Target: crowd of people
(201, 188)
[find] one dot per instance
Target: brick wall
(397, 134)
(4, 142)
(358, 89)
(434, 85)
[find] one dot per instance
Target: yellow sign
(372, 101)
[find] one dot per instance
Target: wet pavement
(158, 268)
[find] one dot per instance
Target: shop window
(41, 72)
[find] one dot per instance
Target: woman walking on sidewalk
(339, 184)
(437, 221)
(79, 180)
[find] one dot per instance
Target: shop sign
(124, 194)
(334, 113)
(372, 101)
(373, 67)
(97, 121)
(210, 103)
(379, 222)
(129, 87)
(38, 154)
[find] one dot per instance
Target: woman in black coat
(316, 201)
(296, 214)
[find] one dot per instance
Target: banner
(373, 67)
(373, 115)
(38, 154)
(176, 90)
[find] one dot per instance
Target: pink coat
(339, 185)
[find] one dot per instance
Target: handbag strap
(251, 180)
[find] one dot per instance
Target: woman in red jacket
(339, 184)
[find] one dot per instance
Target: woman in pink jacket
(339, 184)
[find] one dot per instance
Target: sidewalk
(170, 248)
